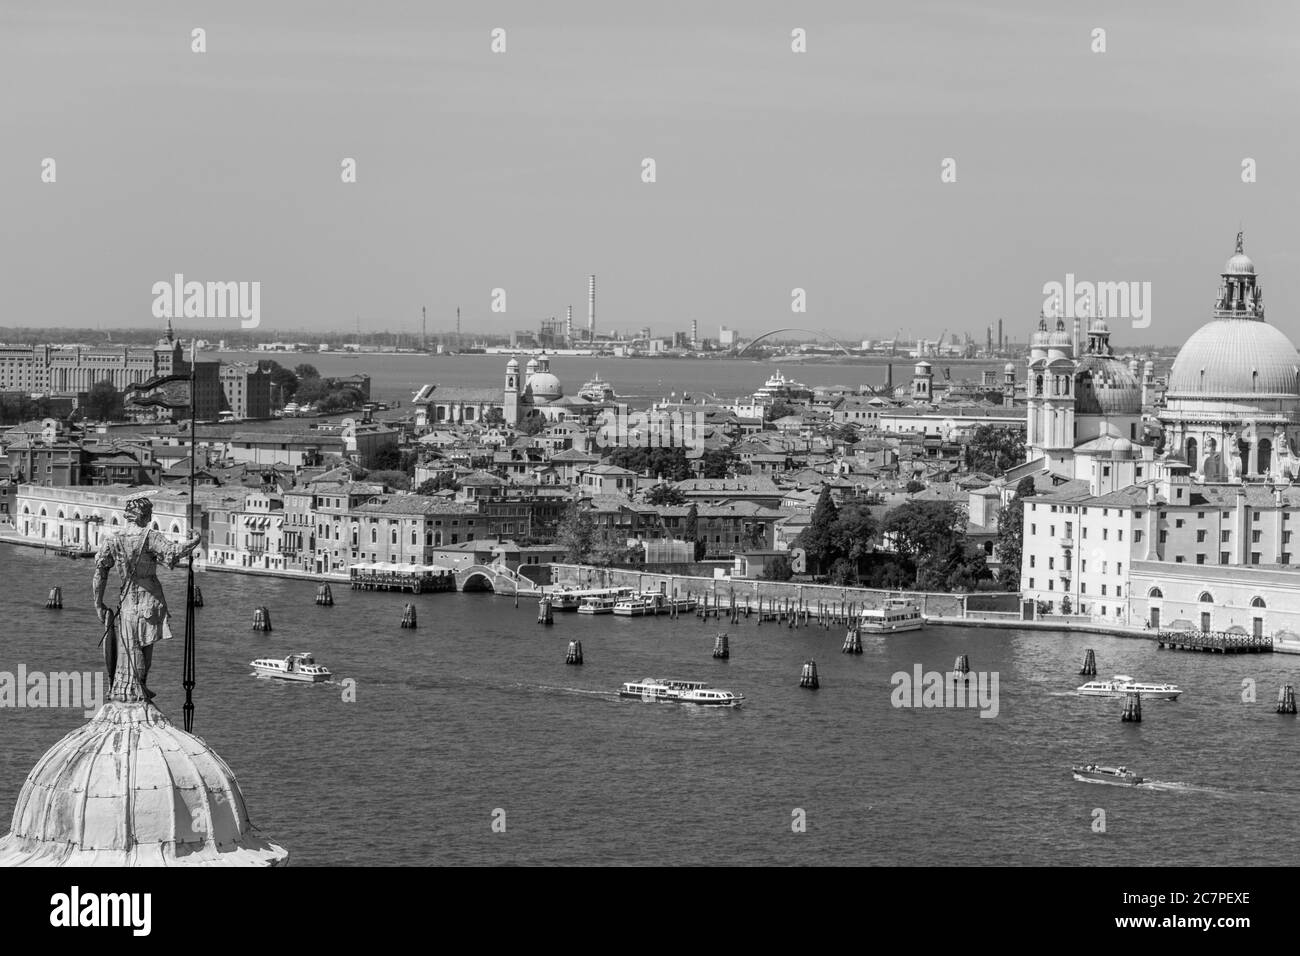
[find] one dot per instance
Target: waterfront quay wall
(988, 607)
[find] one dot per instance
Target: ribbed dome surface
(545, 386)
(1235, 358)
(129, 789)
(1239, 265)
(1104, 385)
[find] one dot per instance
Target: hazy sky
(522, 170)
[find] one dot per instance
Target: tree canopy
(104, 402)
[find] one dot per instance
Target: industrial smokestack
(591, 308)
(695, 329)
(1001, 343)
(568, 327)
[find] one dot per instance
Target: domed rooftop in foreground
(1105, 385)
(129, 789)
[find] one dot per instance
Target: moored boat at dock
(897, 614)
(652, 602)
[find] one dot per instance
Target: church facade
(1147, 519)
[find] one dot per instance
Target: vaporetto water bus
(1122, 685)
(297, 667)
(897, 614)
(602, 601)
(652, 602)
(654, 690)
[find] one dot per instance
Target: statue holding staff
(141, 618)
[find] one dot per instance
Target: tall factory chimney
(695, 329)
(1001, 344)
(591, 308)
(568, 327)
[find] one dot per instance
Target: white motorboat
(1091, 773)
(296, 667)
(1122, 685)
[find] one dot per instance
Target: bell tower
(511, 394)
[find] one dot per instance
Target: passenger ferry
(897, 614)
(652, 602)
(653, 690)
(565, 600)
(299, 667)
(1122, 685)
(602, 602)
(1091, 773)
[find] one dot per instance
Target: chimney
(568, 327)
(591, 308)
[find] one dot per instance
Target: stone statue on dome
(141, 618)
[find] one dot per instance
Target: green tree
(104, 402)
(665, 494)
(692, 532)
(818, 540)
(494, 417)
(398, 480)
(1011, 535)
(442, 480)
(281, 376)
(306, 371)
(854, 534)
(779, 410)
(387, 458)
(994, 449)
(577, 534)
(778, 569)
(847, 434)
(532, 425)
(913, 486)
(720, 463)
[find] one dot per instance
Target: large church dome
(1236, 359)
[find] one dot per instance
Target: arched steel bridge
(819, 332)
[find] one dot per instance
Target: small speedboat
(1122, 685)
(296, 667)
(1092, 773)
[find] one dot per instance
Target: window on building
(1178, 522)
(1083, 588)
(1051, 563)
(1031, 560)
(1083, 565)
(1285, 557)
(1223, 557)
(1105, 534)
(1103, 590)
(1031, 582)
(1051, 585)
(1256, 518)
(1200, 559)
(1254, 537)
(1223, 536)
(1200, 536)
(1163, 535)
(1178, 559)
(1121, 534)
(1033, 529)
(1137, 537)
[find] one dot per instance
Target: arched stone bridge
(493, 577)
